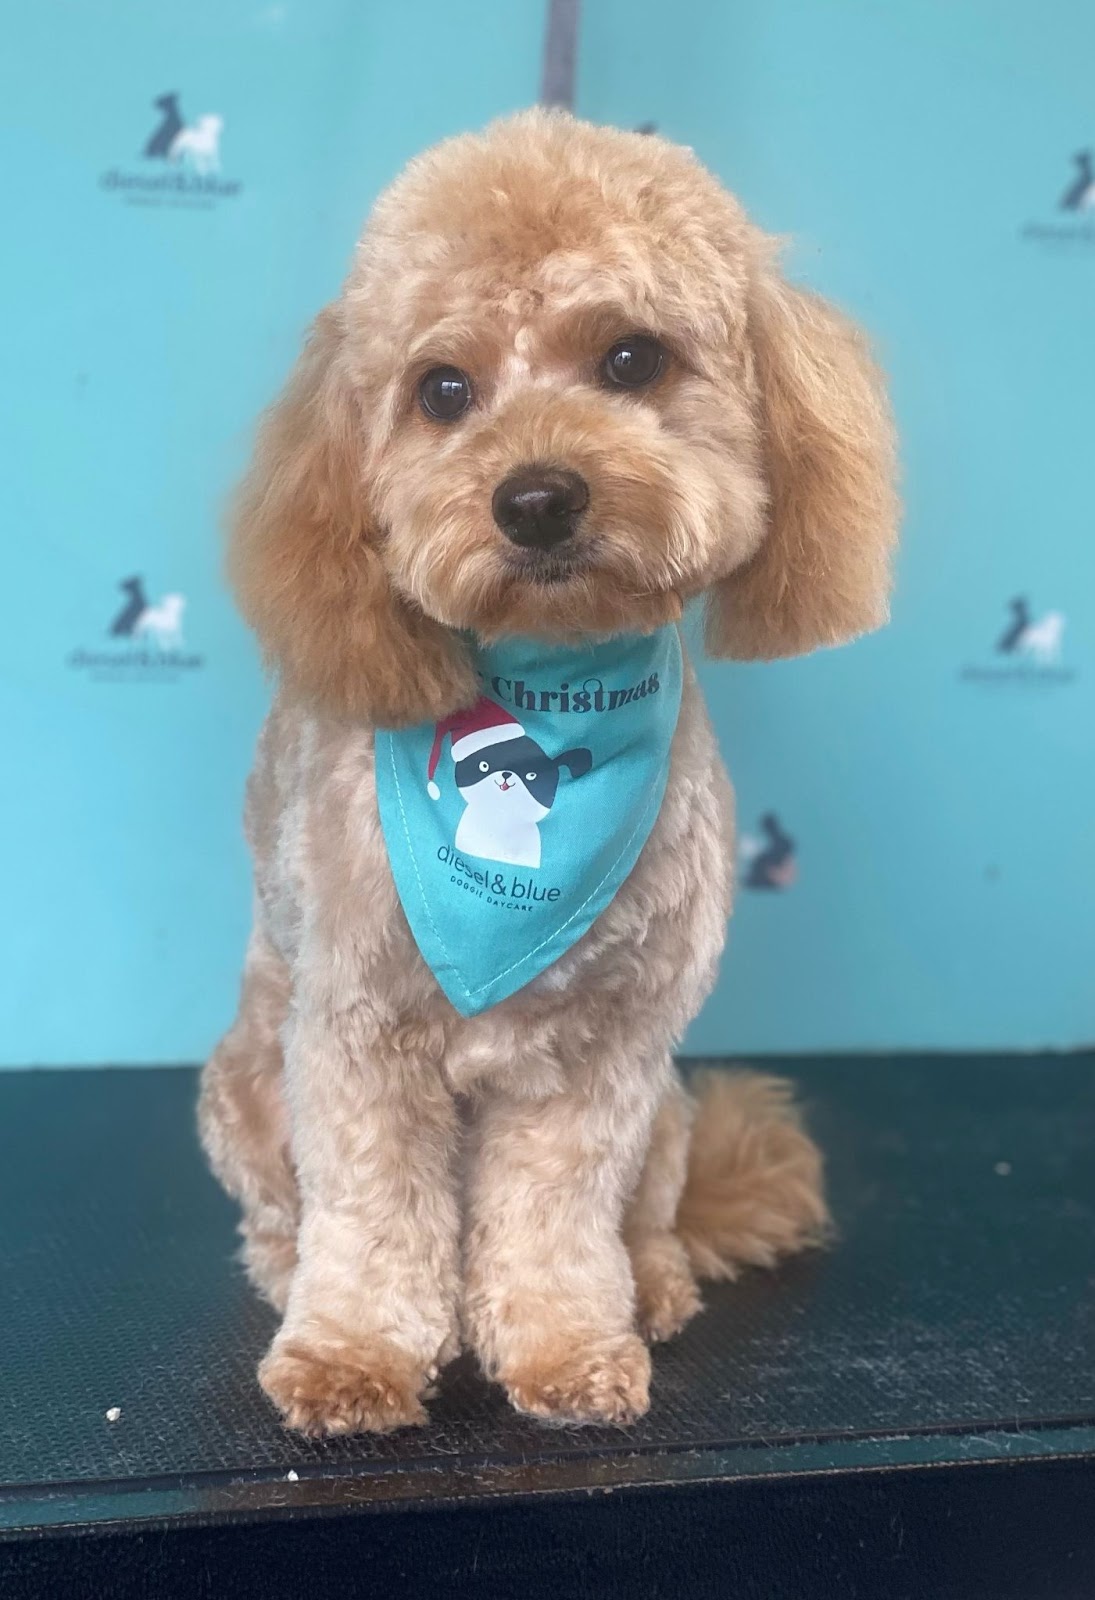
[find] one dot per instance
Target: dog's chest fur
(328, 902)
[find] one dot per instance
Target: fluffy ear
(822, 574)
(304, 560)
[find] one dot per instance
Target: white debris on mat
(114, 1413)
(1002, 1169)
(293, 1476)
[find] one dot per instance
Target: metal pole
(560, 53)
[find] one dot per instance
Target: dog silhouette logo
(145, 637)
(1028, 651)
(196, 145)
(167, 129)
(135, 605)
(199, 146)
(507, 782)
(1071, 225)
(1039, 640)
(768, 862)
(181, 165)
(137, 619)
(1080, 194)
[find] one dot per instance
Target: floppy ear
(577, 762)
(304, 560)
(822, 575)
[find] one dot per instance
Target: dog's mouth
(547, 568)
(505, 783)
(583, 587)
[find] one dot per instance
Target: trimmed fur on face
(758, 468)
(534, 1182)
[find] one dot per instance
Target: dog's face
(562, 393)
(562, 440)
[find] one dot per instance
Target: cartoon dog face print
(508, 789)
(521, 762)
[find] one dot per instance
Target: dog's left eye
(484, 766)
(530, 777)
(634, 362)
(445, 393)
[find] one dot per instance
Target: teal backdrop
(926, 875)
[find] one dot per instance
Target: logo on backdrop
(1074, 224)
(1080, 194)
(180, 162)
(1028, 649)
(145, 640)
(767, 861)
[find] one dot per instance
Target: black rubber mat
(960, 1297)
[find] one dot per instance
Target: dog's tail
(754, 1189)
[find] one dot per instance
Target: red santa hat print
(485, 724)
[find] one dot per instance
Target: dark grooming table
(910, 1414)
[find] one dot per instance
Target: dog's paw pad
(369, 1388)
(607, 1382)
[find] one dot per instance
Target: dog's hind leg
(244, 1125)
(730, 1180)
(666, 1296)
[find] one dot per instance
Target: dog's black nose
(538, 507)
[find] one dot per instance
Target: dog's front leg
(549, 1292)
(372, 1308)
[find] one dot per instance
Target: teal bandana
(511, 826)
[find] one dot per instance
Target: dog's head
(563, 391)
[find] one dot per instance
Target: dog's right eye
(484, 766)
(445, 393)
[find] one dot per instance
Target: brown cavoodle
(591, 306)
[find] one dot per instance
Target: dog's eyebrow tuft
(522, 302)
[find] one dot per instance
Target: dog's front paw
(368, 1387)
(608, 1382)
